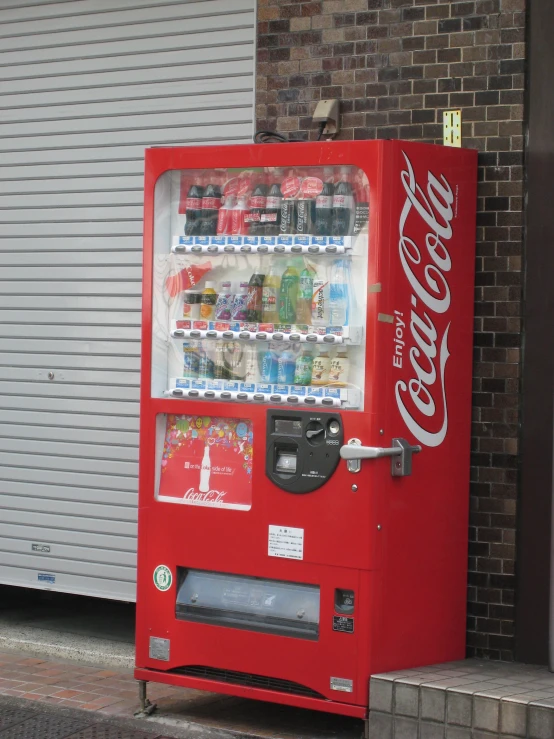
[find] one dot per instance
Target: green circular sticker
(162, 577)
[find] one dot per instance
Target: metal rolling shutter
(85, 86)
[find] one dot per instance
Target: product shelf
(284, 244)
(225, 331)
(290, 395)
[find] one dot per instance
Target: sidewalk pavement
(104, 694)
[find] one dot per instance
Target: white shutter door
(85, 87)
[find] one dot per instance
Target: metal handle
(401, 451)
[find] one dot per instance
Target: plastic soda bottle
(269, 367)
(285, 368)
(224, 302)
(343, 204)
(208, 300)
(238, 312)
(305, 294)
(323, 220)
(303, 368)
(254, 302)
(288, 294)
(339, 293)
(193, 205)
(320, 301)
(270, 295)
(272, 215)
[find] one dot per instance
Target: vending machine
(305, 416)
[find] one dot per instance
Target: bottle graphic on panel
(205, 470)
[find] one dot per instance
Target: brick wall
(396, 65)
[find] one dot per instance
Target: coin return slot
(286, 458)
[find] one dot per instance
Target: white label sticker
(285, 541)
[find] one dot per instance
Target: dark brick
(279, 55)
(475, 23)
(500, 82)
(309, 9)
(309, 37)
(449, 55)
(413, 43)
(450, 26)
(364, 104)
(449, 85)
(413, 14)
(388, 74)
(423, 116)
(367, 19)
(344, 19)
(291, 11)
(512, 66)
(266, 41)
(279, 26)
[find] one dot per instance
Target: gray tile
(541, 723)
(380, 725)
(479, 734)
(513, 718)
(476, 687)
(406, 700)
(430, 677)
(503, 691)
(536, 695)
(456, 732)
(485, 713)
(546, 702)
(431, 730)
(405, 728)
(380, 695)
(458, 708)
(451, 682)
(433, 704)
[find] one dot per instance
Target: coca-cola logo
(213, 497)
(290, 186)
(311, 187)
(421, 333)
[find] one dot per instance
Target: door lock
(401, 452)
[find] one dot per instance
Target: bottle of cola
(323, 220)
(193, 205)
(303, 214)
(257, 206)
(211, 203)
(288, 203)
(343, 204)
(272, 216)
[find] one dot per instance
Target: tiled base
(463, 700)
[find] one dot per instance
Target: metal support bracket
(146, 708)
(401, 452)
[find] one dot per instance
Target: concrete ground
(72, 653)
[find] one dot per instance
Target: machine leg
(146, 708)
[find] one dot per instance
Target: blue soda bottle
(285, 368)
(270, 367)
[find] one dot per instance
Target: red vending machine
(305, 416)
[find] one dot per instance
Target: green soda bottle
(288, 294)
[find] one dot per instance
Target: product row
(322, 201)
(246, 363)
(292, 292)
